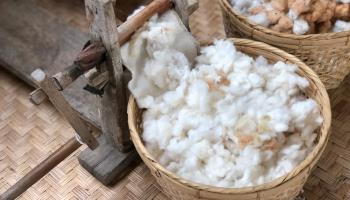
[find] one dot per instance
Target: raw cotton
(341, 26)
(297, 16)
(231, 121)
(165, 39)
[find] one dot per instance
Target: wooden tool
(40, 170)
(110, 155)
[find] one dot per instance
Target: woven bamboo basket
(327, 54)
(284, 188)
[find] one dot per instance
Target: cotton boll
(344, 1)
(166, 69)
(292, 15)
(261, 61)
(260, 19)
(221, 54)
(341, 26)
(239, 84)
(265, 137)
(255, 80)
(200, 150)
(228, 117)
(191, 163)
(243, 64)
(208, 72)
(216, 167)
(154, 128)
(294, 153)
(251, 177)
(177, 146)
(174, 98)
(300, 27)
(241, 5)
(250, 157)
(305, 112)
(219, 150)
(279, 120)
(150, 132)
(283, 96)
(283, 167)
(197, 96)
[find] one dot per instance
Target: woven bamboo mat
(28, 134)
(331, 178)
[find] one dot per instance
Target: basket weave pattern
(286, 187)
(330, 180)
(327, 54)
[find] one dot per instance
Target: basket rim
(309, 160)
(319, 36)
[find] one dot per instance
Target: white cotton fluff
(243, 6)
(146, 54)
(300, 27)
(231, 121)
(341, 26)
(260, 19)
(344, 1)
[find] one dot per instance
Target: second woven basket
(328, 54)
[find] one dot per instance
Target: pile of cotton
(297, 16)
(231, 120)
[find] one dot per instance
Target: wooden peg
(37, 96)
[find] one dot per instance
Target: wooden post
(112, 159)
(103, 27)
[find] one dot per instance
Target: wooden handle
(41, 170)
(130, 26)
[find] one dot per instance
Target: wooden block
(116, 166)
(91, 158)
(37, 96)
(106, 163)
